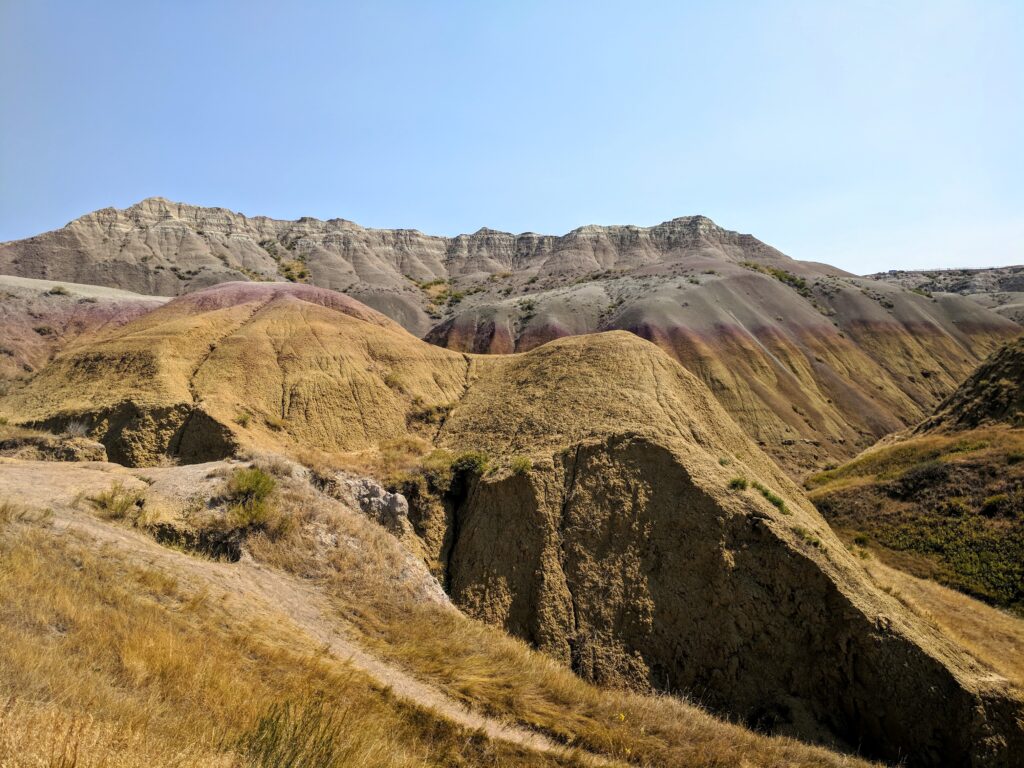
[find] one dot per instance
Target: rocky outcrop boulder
(391, 510)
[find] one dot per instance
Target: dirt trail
(306, 608)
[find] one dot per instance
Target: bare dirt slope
(593, 454)
(246, 582)
(814, 363)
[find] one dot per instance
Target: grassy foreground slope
(118, 651)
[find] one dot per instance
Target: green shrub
(806, 536)
(248, 492)
(521, 465)
(967, 446)
(471, 463)
(956, 508)
(773, 498)
(243, 420)
(738, 484)
(429, 414)
(58, 290)
(795, 282)
(861, 540)
(439, 474)
(995, 504)
(918, 478)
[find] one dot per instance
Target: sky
(868, 135)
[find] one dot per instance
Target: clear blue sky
(866, 134)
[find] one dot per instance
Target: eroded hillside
(815, 364)
(325, 645)
(38, 318)
(552, 506)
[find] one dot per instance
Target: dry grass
(10, 431)
(994, 636)
(486, 668)
(12, 512)
(108, 648)
(250, 494)
(889, 460)
(386, 459)
(117, 503)
(99, 667)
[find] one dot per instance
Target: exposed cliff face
(625, 550)
(624, 553)
(814, 363)
(166, 248)
(812, 373)
(619, 563)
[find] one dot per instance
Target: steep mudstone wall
(616, 562)
(138, 436)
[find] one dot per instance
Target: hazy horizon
(865, 135)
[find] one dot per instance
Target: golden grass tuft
(387, 459)
(117, 503)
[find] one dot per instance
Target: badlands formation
(815, 364)
(600, 503)
(412, 448)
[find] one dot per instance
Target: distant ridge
(813, 362)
